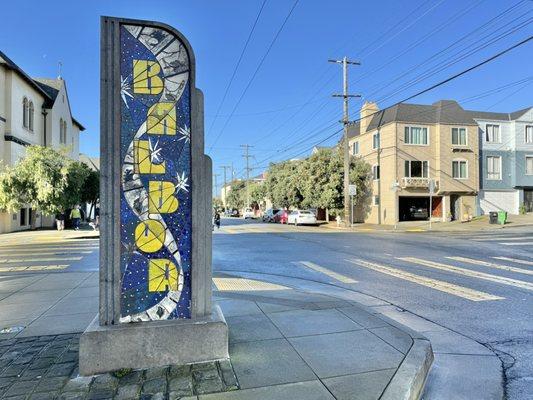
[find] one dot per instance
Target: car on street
(302, 217)
(269, 214)
(248, 213)
(281, 216)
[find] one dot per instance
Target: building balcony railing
(417, 183)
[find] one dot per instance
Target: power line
(237, 66)
(255, 72)
(455, 76)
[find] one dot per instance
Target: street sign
(352, 190)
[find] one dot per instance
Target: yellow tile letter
(145, 78)
(142, 160)
(162, 276)
(161, 197)
(162, 119)
(149, 236)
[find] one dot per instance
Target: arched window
(30, 121)
(25, 112)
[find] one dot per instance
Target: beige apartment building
(412, 147)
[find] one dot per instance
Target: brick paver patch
(46, 367)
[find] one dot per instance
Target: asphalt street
(477, 284)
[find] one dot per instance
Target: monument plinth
(155, 207)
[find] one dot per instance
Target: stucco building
(33, 111)
(506, 162)
(410, 148)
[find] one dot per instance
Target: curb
(409, 380)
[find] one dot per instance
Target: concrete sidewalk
(478, 224)
(285, 342)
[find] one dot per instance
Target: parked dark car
(419, 213)
(269, 214)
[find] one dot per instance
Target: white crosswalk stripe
(470, 273)
(42, 259)
(516, 243)
(515, 260)
(446, 287)
(506, 238)
(325, 271)
(492, 265)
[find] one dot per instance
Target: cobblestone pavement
(46, 367)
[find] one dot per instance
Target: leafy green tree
(283, 184)
(258, 193)
(235, 197)
(217, 204)
(45, 179)
(90, 192)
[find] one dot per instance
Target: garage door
(498, 201)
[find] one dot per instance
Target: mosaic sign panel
(155, 203)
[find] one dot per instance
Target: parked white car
(301, 217)
(248, 213)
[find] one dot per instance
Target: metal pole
(430, 201)
(224, 167)
(346, 146)
(247, 184)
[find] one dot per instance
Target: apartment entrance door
(528, 200)
(455, 207)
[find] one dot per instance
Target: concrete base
(151, 344)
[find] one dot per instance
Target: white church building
(33, 111)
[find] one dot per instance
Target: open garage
(416, 208)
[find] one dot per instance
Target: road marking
(32, 268)
(517, 244)
(468, 272)
(38, 249)
(245, 285)
(492, 265)
(450, 288)
(485, 239)
(325, 271)
(14, 260)
(17, 253)
(515, 260)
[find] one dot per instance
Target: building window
(492, 133)
(459, 136)
(375, 200)
(25, 112)
(375, 172)
(62, 131)
(529, 165)
(376, 141)
(416, 135)
(460, 169)
(355, 148)
(23, 221)
(416, 169)
(529, 134)
(31, 115)
(494, 167)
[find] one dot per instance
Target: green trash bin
(502, 217)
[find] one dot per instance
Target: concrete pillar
(155, 207)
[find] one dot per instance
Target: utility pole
(224, 167)
(345, 121)
(247, 155)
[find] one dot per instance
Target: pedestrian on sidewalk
(60, 220)
(217, 219)
(338, 219)
(75, 216)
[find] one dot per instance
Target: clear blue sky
(289, 100)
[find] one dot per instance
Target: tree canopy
(316, 181)
(235, 197)
(46, 180)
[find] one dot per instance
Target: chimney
(367, 110)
